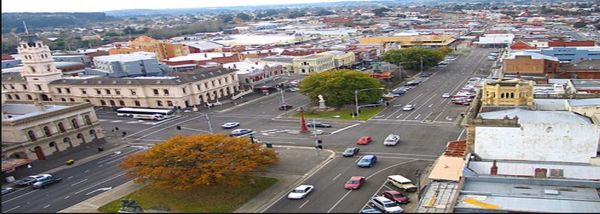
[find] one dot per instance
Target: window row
(60, 126)
(11, 86)
(17, 97)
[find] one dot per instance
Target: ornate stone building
(507, 93)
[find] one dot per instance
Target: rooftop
(529, 116)
(581, 84)
(533, 55)
(127, 57)
(12, 112)
(200, 56)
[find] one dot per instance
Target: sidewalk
(56, 162)
(257, 204)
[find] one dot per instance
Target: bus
(145, 113)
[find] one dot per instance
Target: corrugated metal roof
(585, 102)
(528, 116)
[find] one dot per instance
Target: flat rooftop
(12, 112)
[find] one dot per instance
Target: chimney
(494, 169)
(38, 105)
(205, 55)
(223, 54)
(234, 65)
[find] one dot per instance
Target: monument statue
(321, 102)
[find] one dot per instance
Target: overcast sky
(106, 5)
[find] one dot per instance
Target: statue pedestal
(322, 104)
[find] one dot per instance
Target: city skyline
(108, 5)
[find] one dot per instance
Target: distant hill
(42, 20)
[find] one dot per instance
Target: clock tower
(38, 66)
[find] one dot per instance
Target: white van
(386, 205)
(402, 183)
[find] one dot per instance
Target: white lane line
(169, 126)
(169, 120)
(426, 101)
(400, 115)
(461, 133)
(19, 196)
(359, 157)
(430, 105)
(342, 129)
(415, 98)
(14, 208)
(405, 158)
(46, 206)
(102, 120)
(392, 114)
(336, 177)
(306, 202)
(116, 121)
(119, 175)
(417, 116)
(378, 190)
(198, 130)
(336, 203)
(68, 196)
(86, 171)
(287, 138)
(440, 114)
(428, 116)
(381, 170)
(84, 180)
(69, 177)
(123, 154)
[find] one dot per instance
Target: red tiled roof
(456, 148)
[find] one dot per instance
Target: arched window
(112, 103)
(102, 102)
(137, 103)
(8, 96)
(63, 99)
(159, 103)
(47, 131)
(502, 95)
(87, 100)
(31, 135)
(29, 97)
(75, 124)
(17, 97)
(512, 95)
(71, 99)
(87, 119)
(61, 127)
(169, 103)
(121, 102)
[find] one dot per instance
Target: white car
(230, 125)
(386, 205)
(408, 108)
(301, 191)
(391, 140)
(446, 95)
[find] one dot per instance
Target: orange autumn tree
(183, 162)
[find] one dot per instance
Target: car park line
(118, 175)
(11, 209)
(169, 126)
(420, 106)
(3, 202)
(340, 200)
(306, 202)
(342, 129)
(336, 177)
(84, 180)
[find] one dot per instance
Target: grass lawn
(365, 114)
(206, 199)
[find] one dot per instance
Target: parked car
(396, 196)
(46, 182)
(292, 89)
(425, 75)
(350, 152)
(285, 107)
(31, 179)
(230, 125)
(355, 182)
(386, 205)
(364, 140)
(370, 210)
(319, 125)
(391, 95)
(408, 107)
(401, 182)
(301, 191)
(391, 140)
(446, 95)
(241, 132)
(6, 190)
(367, 161)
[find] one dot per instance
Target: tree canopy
(244, 17)
(410, 58)
(337, 87)
(381, 11)
(579, 24)
(183, 162)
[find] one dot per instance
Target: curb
(311, 172)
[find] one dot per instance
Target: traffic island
(342, 114)
(213, 199)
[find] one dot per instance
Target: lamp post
(282, 97)
(356, 91)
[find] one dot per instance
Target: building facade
(530, 63)
(127, 65)
(313, 63)
(163, 50)
(508, 93)
(251, 73)
(35, 130)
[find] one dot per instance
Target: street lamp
(356, 96)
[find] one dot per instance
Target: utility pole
(316, 137)
(421, 64)
(282, 97)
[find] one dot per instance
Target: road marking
(392, 114)
(69, 177)
(461, 133)
(116, 121)
(426, 101)
(303, 204)
(169, 120)
(86, 171)
(398, 164)
(101, 189)
(342, 129)
(430, 113)
(46, 206)
(198, 130)
(400, 115)
(68, 196)
(440, 114)
(337, 176)
(102, 120)
(109, 159)
(19, 196)
(12, 209)
(170, 126)
(430, 105)
(336, 203)
(417, 116)
(130, 122)
(359, 157)
(79, 182)
(119, 175)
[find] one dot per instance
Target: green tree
(410, 58)
(337, 87)
(226, 18)
(184, 162)
(244, 17)
(381, 11)
(579, 24)
(296, 13)
(324, 12)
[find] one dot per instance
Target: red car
(364, 140)
(396, 196)
(355, 182)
